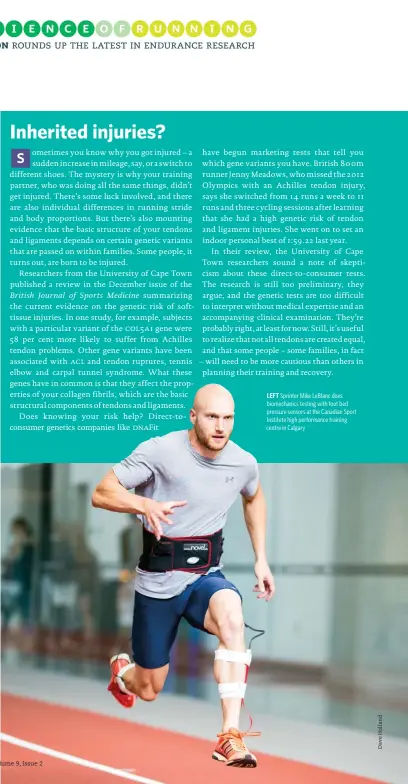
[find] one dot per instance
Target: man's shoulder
(170, 441)
(240, 455)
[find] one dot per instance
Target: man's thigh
(209, 592)
(154, 629)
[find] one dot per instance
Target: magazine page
(204, 465)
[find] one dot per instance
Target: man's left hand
(265, 586)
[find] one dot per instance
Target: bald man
(185, 483)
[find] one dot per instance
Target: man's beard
(207, 441)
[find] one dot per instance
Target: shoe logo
(192, 560)
(229, 478)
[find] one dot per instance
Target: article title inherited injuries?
(108, 134)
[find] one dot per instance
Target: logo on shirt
(229, 478)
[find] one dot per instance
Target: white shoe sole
(239, 763)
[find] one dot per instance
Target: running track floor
(133, 752)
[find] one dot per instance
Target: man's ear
(192, 416)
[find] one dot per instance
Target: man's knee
(148, 687)
(147, 693)
(231, 627)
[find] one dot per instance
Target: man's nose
(219, 425)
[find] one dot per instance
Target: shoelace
(237, 739)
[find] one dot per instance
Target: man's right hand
(156, 513)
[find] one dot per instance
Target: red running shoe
(232, 750)
(116, 664)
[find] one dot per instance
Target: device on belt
(190, 554)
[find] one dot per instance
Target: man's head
(212, 417)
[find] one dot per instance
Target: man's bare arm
(255, 519)
(111, 495)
